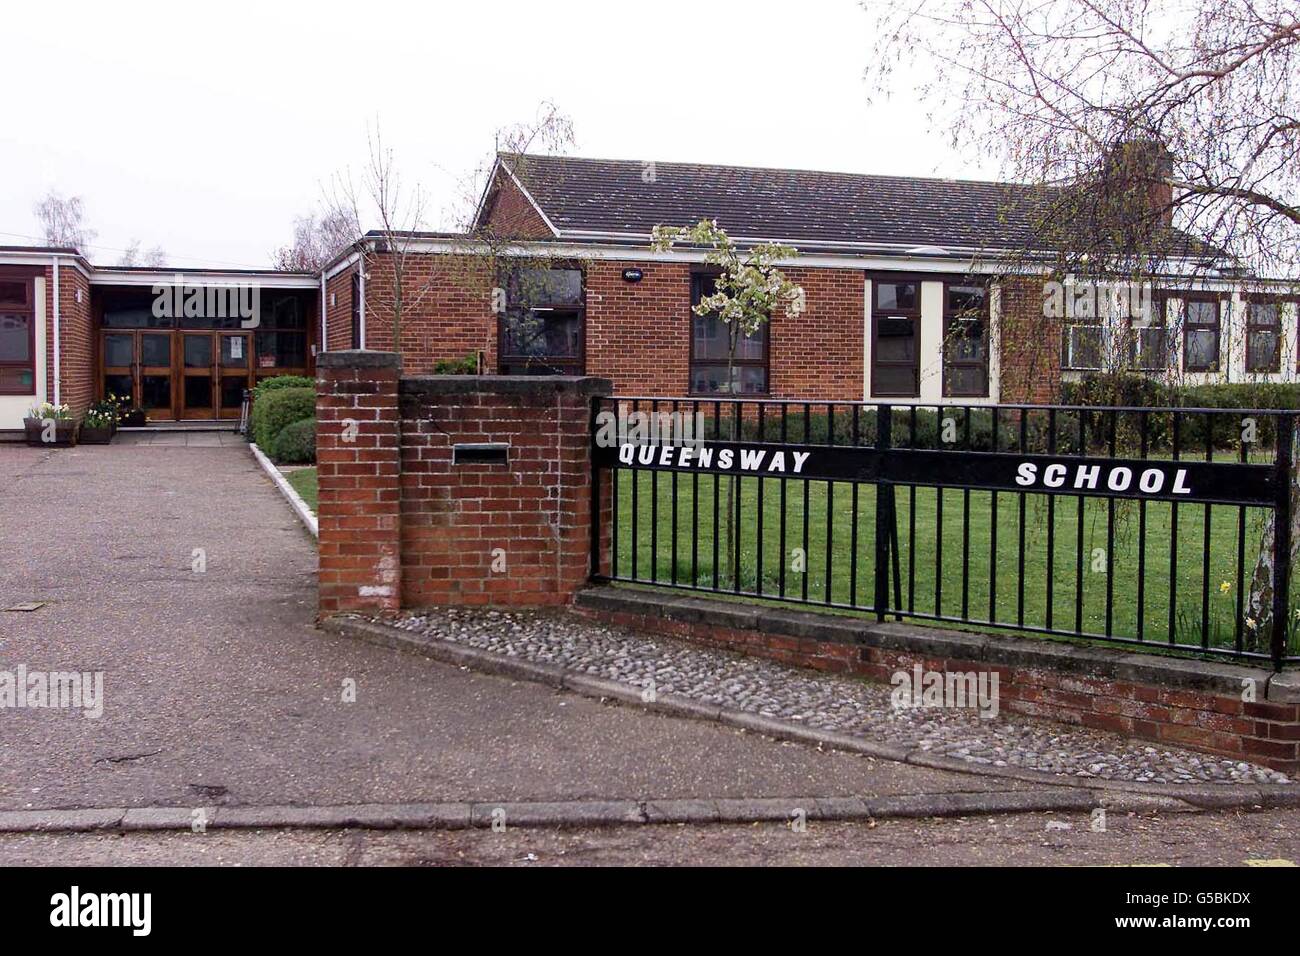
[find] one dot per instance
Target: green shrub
(462, 366)
(278, 408)
(295, 444)
(275, 383)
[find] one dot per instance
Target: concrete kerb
(304, 513)
(1205, 797)
(566, 814)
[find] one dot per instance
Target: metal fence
(1159, 527)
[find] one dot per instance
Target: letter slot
(484, 453)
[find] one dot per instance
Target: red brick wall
(637, 334)
(818, 354)
(357, 463)
(510, 214)
(531, 516)
(446, 312)
(1029, 344)
(77, 345)
(77, 341)
(401, 525)
(338, 311)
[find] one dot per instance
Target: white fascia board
(170, 277)
(1177, 265)
(567, 250)
(42, 259)
(343, 265)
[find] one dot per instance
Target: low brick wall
(1193, 704)
(406, 520)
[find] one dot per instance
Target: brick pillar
(510, 533)
(358, 464)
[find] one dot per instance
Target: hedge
(279, 407)
(277, 382)
(1195, 432)
(296, 443)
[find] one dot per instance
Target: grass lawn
(304, 482)
(939, 535)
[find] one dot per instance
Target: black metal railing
(1160, 527)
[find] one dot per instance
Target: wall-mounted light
(632, 275)
(334, 298)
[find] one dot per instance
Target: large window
(966, 340)
(541, 330)
(17, 336)
(282, 332)
(895, 338)
(1200, 334)
(1264, 336)
(711, 347)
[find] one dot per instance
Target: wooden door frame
(246, 371)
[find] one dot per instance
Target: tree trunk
(729, 530)
(1259, 606)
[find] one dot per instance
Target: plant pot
(64, 435)
(96, 436)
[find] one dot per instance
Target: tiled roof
(808, 209)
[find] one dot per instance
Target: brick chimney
(1144, 167)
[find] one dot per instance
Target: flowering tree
(748, 291)
(749, 287)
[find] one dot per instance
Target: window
(1083, 343)
(541, 330)
(356, 310)
(895, 334)
(965, 346)
(282, 332)
(1263, 336)
(1200, 335)
(711, 346)
(17, 336)
(1151, 338)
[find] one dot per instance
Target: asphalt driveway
(218, 689)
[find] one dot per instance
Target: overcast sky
(206, 128)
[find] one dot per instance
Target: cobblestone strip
(722, 683)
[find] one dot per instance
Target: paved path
(219, 691)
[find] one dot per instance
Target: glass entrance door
(234, 367)
(138, 370)
(215, 369)
(199, 371)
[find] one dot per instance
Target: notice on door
(236, 347)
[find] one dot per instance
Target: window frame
(878, 280)
(574, 366)
(1278, 302)
(28, 279)
(698, 278)
(1185, 327)
(1159, 320)
(948, 318)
